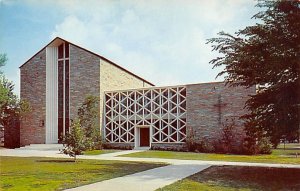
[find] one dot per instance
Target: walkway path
(116, 157)
(148, 180)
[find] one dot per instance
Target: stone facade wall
(84, 77)
(33, 89)
(210, 104)
(114, 78)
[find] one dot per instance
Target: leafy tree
(88, 114)
(84, 132)
(3, 60)
(266, 54)
(8, 100)
(74, 141)
(10, 105)
(3, 87)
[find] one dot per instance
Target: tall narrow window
(60, 97)
(67, 93)
(61, 51)
(66, 50)
(63, 89)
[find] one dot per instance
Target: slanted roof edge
(101, 57)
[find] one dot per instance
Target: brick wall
(210, 104)
(84, 77)
(85, 80)
(33, 89)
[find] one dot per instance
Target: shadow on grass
(253, 178)
(56, 161)
(289, 149)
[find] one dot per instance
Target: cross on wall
(220, 105)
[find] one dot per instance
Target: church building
(133, 112)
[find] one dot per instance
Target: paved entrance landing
(148, 180)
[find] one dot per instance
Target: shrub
(249, 146)
(252, 146)
(232, 141)
(228, 142)
(169, 147)
(88, 117)
(119, 147)
(204, 146)
(74, 141)
(255, 141)
(84, 132)
(194, 146)
(191, 141)
(264, 146)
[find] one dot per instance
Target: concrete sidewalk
(39, 151)
(31, 153)
(57, 154)
(148, 180)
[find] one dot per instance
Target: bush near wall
(169, 146)
(121, 146)
(232, 140)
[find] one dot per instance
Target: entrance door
(144, 137)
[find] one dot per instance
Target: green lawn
(99, 152)
(289, 146)
(287, 156)
(233, 178)
(57, 174)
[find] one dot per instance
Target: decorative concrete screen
(163, 110)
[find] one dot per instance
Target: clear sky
(163, 41)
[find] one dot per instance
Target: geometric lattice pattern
(162, 109)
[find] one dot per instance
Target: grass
(287, 149)
(281, 156)
(57, 174)
(99, 152)
(232, 178)
(289, 146)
